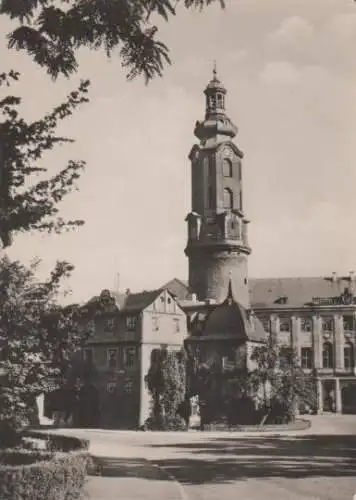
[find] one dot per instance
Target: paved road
(317, 464)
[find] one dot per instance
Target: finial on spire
(215, 73)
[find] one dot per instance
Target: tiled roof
(268, 292)
(178, 288)
(132, 302)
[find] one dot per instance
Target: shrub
(57, 473)
(60, 478)
(168, 423)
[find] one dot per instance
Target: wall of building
(312, 330)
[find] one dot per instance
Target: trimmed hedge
(56, 474)
(297, 425)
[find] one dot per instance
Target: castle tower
(217, 246)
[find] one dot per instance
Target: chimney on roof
(334, 277)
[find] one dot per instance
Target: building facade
(125, 330)
(314, 315)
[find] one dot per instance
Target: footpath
(128, 478)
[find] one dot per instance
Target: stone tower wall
(209, 275)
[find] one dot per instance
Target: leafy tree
(26, 203)
(278, 383)
(37, 340)
(166, 381)
(52, 31)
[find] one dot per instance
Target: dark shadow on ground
(232, 459)
(118, 467)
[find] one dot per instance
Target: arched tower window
(228, 199)
(328, 355)
(220, 101)
(211, 101)
(227, 168)
(349, 355)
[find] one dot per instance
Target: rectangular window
(131, 322)
(111, 356)
(307, 358)
(91, 327)
(109, 325)
(327, 324)
(130, 355)
(284, 325)
(306, 324)
(348, 323)
(88, 355)
(176, 325)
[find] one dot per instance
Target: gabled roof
(135, 302)
(124, 302)
(178, 288)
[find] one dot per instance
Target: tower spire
(215, 73)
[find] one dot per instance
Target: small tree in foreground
(166, 381)
(37, 340)
(278, 383)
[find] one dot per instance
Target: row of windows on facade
(328, 361)
(131, 324)
(113, 356)
(306, 324)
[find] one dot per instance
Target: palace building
(314, 315)
(220, 309)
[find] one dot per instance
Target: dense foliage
(29, 197)
(37, 339)
(166, 381)
(52, 31)
(278, 383)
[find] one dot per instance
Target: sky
(290, 70)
